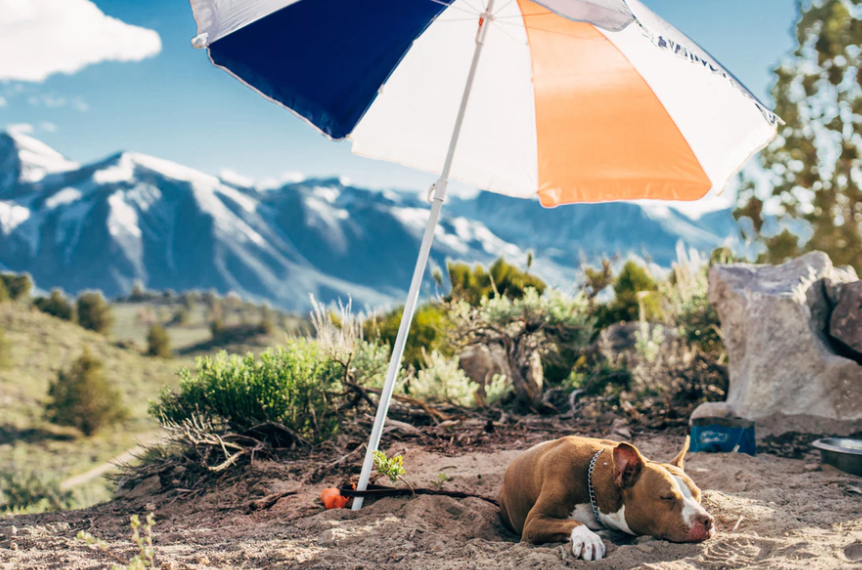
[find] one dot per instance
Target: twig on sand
(736, 526)
(269, 501)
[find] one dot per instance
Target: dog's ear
(628, 464)
(679, 460)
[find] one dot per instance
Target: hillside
(40, 346)
(135, 217)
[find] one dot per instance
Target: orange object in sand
(332, 498)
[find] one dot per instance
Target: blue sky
(177, 106)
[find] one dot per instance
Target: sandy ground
(772, 513)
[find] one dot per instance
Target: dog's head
(659, 498)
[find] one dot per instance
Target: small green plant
(94, 313)
(441, 480)
(142, 536)
(56, 305)
(158, 342)
(497, 389)
(82, 397)
(647, 344)
(392, 467)
(24, 492)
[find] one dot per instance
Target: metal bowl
(842, 453)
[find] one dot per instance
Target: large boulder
(845, 325)
(776, 322)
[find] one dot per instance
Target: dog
(565, 489)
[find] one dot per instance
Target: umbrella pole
(437, 197)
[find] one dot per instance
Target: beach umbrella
(564, 100)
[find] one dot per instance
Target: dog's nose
(706, 520)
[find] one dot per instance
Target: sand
(771, 512)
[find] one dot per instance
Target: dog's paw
(586, 544)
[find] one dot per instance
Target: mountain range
(130, 216)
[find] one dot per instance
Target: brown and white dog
(546, 495)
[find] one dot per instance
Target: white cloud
(42, 37)
(19, 128)
(47, 126)
(3, 101)
(56, 102)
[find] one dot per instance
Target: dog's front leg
(543, 526)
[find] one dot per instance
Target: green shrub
(94, 313)
(292, 385)
(24, 492)
(217, 328)
(17, 286)
(442, 381)
(634, 291)
(81, 397)
(370, 363)
(501, 278)
(158, 342)
(428, 331)
(530, 328)
(56, 305)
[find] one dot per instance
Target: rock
(774, 320)
(645, 548)
(147, 487)
(853, 552)
(481, 362)
(845, 326)
(620, 428)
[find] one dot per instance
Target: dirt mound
(772, 512)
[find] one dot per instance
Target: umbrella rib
(509, 35)
(482, 11)
(503, 7)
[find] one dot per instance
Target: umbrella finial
(200, 41)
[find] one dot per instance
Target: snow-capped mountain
(132, 216)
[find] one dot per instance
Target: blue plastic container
(723, 435)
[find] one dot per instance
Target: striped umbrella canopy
(564, 100)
